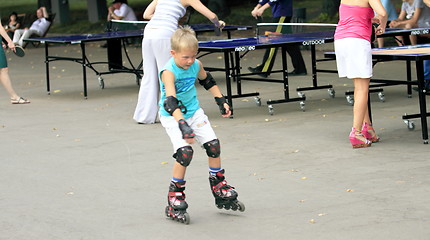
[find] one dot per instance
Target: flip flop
(19, 51)
(20, 100)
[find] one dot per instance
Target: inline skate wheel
(185, 219)
(241, 206)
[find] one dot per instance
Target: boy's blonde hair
(184, 38)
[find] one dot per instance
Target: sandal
(20, 100)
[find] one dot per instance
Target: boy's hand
(187, 133)
(223, 106)
(227, 110)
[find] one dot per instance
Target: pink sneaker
(356, 142)
(369, 133)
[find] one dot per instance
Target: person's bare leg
(179, 171)
(5, 80)
(361, 92)
(214, 162)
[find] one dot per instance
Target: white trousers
(156, 53)
(21, 34)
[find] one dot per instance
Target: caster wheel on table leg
(101, 83)
(350, 100)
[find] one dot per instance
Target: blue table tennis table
(235, 49)
(417, 54)
(116, 44)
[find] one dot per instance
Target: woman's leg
(147, 105)
(361, 93)
(361, 113)
(5, 80)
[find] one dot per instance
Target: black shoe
(295, 73)
(258, 71)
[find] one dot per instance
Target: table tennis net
(120, 25)
(277, 29)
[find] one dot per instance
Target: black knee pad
(213, 148)
(184, 155)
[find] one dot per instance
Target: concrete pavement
(83, 169)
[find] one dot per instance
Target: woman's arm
(381, 16)
(3, 33)
(199, 7)
(149, 11)
(45, 12)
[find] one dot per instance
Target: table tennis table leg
(236, 71)
(228, 81)
(422, 99)
(48, 84)
(84, 70)
(409, 78)
(285, 74)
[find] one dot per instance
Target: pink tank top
(354, 22)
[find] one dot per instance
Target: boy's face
(184, 58)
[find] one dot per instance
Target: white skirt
(353, 58)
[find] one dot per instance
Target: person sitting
(414, 14)
(39, 27)
(121, 11)
(392, 15)
(12, 25)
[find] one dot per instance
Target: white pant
(21, 34)
(156, 53)
(200, 124)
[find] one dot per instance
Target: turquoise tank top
(185, 87)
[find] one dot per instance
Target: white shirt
(125, 12)
(40, 25)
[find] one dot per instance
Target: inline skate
(177, 206)
(225, 195)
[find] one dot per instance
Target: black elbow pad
(208, 82)
(171, 104)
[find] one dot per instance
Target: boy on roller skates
(185, 123)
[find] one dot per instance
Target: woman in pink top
(354, 59)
